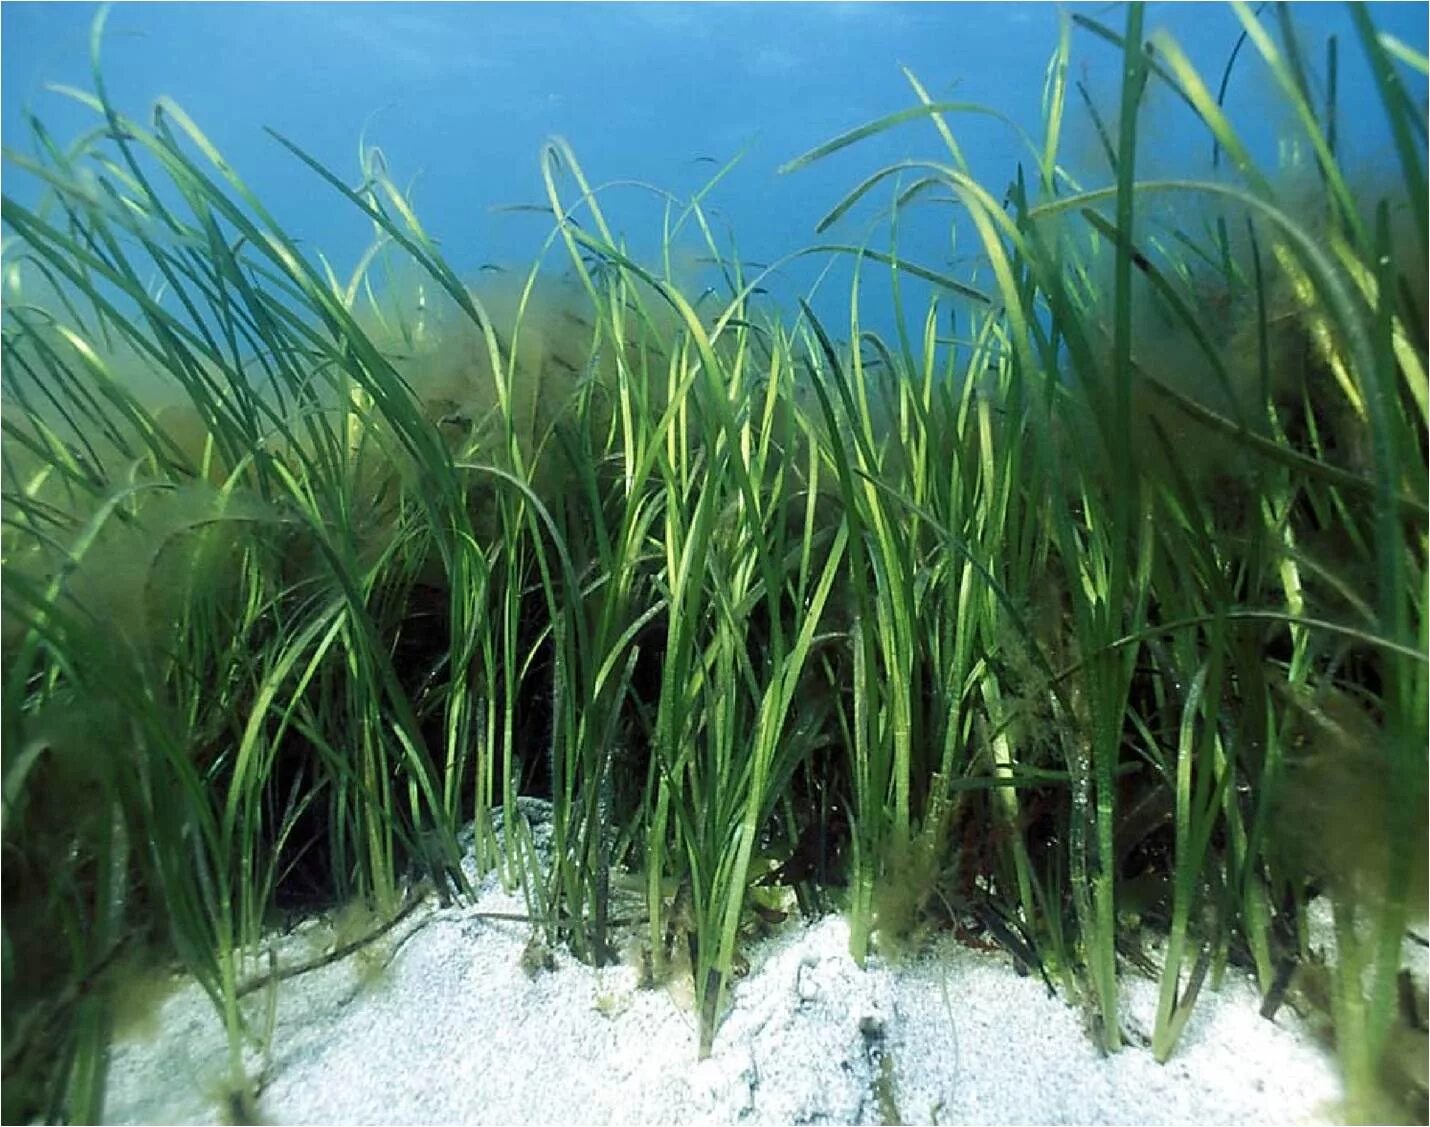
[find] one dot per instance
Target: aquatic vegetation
(1108, 614)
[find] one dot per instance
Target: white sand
(456, 1032)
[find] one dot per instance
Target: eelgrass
(1057, 628)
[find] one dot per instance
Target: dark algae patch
(1102, 623)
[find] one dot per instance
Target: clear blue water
(460, 98)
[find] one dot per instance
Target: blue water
(461, 97)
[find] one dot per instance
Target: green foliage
(1109, 609)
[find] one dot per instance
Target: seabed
(452, 1020)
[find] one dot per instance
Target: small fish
(534, 209)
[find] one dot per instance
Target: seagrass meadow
(1086, 606)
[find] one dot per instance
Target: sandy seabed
(454, 1030)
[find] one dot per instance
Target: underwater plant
(1104, 615)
